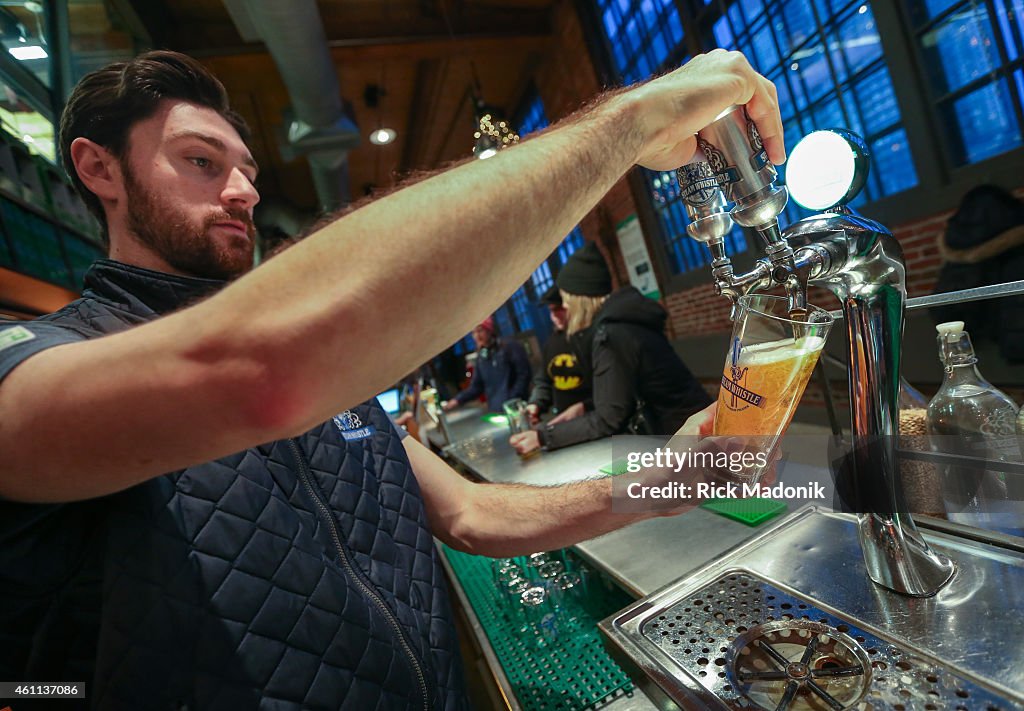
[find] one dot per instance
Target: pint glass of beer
(771, 357)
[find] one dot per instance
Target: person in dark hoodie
(640, 384)
(562, 384)
(502, 370)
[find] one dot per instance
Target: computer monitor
(390, 401)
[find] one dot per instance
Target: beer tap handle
(708, 211)
(706, 207)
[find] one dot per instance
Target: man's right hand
(669, 110)
(449, 405)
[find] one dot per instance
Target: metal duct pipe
(294, 34)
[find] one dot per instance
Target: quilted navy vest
(296, 574)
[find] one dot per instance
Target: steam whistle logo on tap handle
(760, 158)
(724, 173)
(733, 384)
(697, 183)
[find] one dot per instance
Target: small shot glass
(551, 570)
(540, 619)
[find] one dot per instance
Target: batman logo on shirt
(564, 372)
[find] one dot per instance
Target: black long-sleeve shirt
(565, 378)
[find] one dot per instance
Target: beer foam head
(785, 349)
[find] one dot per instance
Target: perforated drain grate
(747, 642)
(779, 663)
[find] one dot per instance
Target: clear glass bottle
(970, 417)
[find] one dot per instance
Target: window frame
(941, 185)
(651, 225)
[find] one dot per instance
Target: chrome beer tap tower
(861, 262)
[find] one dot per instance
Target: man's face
(482, 337)
(189, 192)
(559, 316)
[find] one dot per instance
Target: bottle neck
(963, 374)
(957, 355)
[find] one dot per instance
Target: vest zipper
(346, 562)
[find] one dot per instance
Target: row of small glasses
(538, 594)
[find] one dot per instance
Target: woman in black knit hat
(640, 384)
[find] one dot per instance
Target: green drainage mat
(569, 669)
(619, 466)
(751, 511)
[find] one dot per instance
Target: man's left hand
(525, 442)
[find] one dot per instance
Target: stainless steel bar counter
(962, 635)
(641, 557)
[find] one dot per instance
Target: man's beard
(184, 245)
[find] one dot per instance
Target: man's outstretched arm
(322, 327)
(512, 519)
(501, 520)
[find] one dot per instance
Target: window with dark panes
(645, 38)
(504, 321)
(532, 117)
(642, 34)
(825, 58)
(466, 344)
(973, 56)
(573, 241)
(542, 279)
(521, 306)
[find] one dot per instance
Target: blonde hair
(581, 309)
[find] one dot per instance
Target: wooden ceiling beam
(418, 48)
(411, 48)
(425, 87)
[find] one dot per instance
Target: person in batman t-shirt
(563, 384)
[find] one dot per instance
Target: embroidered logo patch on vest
(351, 426)
(15, 335)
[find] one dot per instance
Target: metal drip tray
(727, 637)
(754, 646)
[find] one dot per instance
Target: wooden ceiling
(421, 53)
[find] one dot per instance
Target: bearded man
(202, 505)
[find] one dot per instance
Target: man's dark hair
(107, 103)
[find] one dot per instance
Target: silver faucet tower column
(861, 263)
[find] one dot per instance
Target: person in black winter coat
(983, 244)
(502, 370)
(562, 385)
(640, 383)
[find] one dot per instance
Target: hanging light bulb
(383, 136)
(492, 134)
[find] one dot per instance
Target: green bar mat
(751, 511)
(494, 419)
(619, 466)
(572, 672)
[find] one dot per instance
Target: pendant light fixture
(372, 95)
(493, 131)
